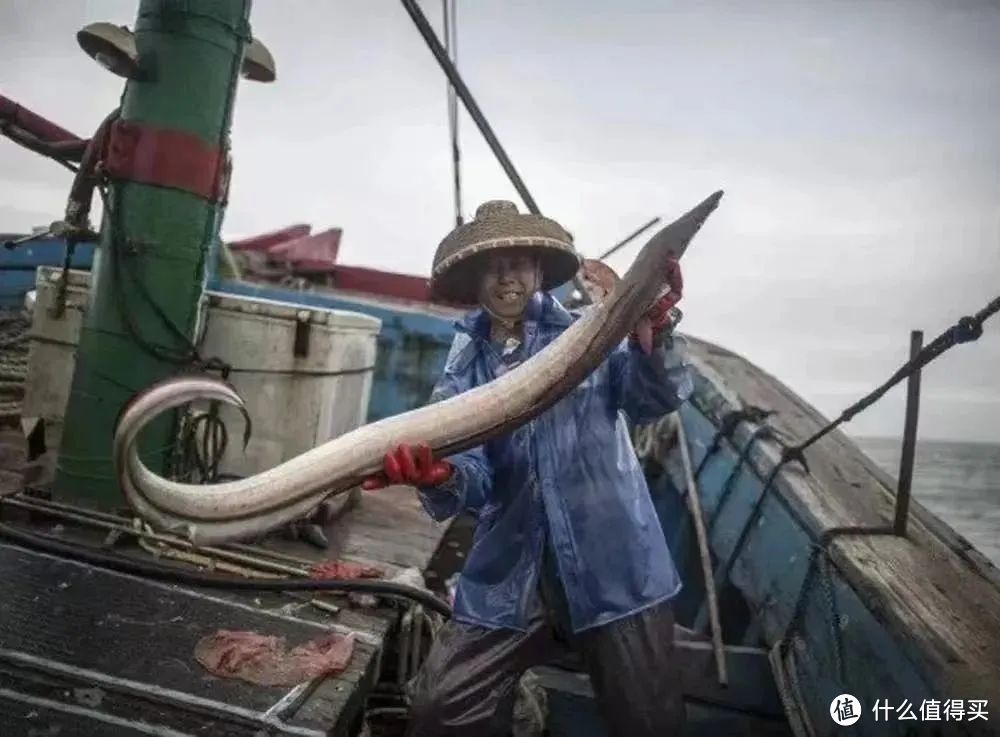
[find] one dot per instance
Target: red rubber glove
(657, 317)
(412, 465)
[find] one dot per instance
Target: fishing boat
(814, 592)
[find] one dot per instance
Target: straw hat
(498, 224)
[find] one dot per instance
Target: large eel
(249, 507)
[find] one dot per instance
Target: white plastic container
(304, 372)
(52, 351)
(297, 399)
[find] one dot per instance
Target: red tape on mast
(167, 158)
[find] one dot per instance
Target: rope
(205, 459)
(646, 438)
(177, 17)
(118, 260)
(196, 455)
(758, 506)
(96, 557)
(821, 550)
(191, 357)
(762, 431)
(16, 340)
(730, 421)
(222, 367)
(966, 330)
(203, 454)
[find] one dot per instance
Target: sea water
(958, 482)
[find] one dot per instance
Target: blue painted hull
(859, 630)
(770, 573)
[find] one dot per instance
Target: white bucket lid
(344, 319)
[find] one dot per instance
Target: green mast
(157, 238)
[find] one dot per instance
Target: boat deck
(84, 649)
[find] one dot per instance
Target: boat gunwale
(715, 396)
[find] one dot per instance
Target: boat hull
(889, 620)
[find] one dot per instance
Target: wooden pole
(694, 505)
(451, 48)
(628, 239)
(909, 438)
(472, 108)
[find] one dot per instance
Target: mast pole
(168, 166)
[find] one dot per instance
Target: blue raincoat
(569, 479)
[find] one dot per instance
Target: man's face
(507, 283)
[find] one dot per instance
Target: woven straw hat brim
(456, 278)
(498, 226)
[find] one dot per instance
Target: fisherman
(568, 550)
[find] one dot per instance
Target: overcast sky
(857, 143)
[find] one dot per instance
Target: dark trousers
(469, 680)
